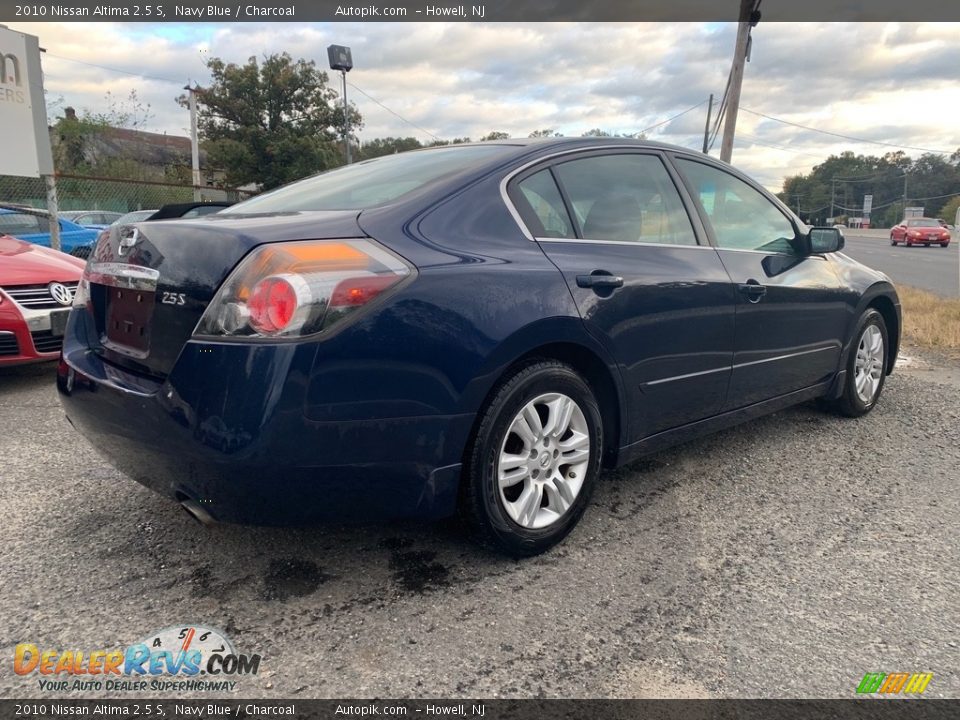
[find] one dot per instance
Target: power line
(753, 140)
(116, 70)
(670, 119)
(396, 114)
(845, 137)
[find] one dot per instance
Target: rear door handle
(753, 290)
(599, 281)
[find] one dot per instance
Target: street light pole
(346, 119)
(342, 59)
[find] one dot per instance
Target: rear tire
(866, 367)
(518, 493)
(944, 244)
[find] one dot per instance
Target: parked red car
(36, 291)
(920, 231)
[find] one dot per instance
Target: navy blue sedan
(474, 328)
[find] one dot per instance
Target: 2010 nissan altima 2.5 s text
(475, 328)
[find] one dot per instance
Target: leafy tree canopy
(272, 121)
(841, 181)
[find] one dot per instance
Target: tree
(387, 146)
(271, 122)
(841, 181)
(86, 144)
(948, 213)
(545, 133)
(495, 135)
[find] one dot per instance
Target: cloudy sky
(893, 83)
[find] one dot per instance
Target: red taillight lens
(358, 291)
(300, 288)
(272, 305)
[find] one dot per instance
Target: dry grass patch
(930, 320)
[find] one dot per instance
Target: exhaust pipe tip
(197, 512)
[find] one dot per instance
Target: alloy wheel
(868, 367)
(543, 460)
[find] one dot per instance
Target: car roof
(9, 208)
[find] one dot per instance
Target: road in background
(933, 268)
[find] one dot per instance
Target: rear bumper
(926, 241)
(247, 453)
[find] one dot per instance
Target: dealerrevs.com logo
(177, 659)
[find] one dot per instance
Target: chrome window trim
(622, 242)
(767, 252)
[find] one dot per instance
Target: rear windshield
(922, 223)
(369, 183)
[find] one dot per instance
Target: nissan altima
(476, 328)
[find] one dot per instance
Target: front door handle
(753, 290)
(599, 281)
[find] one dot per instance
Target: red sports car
(36, 291)
(920, 231)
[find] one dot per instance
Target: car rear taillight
(302, 288)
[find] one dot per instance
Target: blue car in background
(477, 328)
(33, 226)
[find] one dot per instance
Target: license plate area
(58, 322)
(127, 327)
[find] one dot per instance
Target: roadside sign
(867, 205)
(23, 112)
(913, 212)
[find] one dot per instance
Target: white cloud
(893, 82)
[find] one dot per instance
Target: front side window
(741, 216)
(625, 198)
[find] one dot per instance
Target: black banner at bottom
(872, 709)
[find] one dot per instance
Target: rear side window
(542, 208)
(742, 217)
(625, 198)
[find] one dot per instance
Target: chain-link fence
(79, 192)
(91, 202)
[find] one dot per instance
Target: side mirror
(825, 240)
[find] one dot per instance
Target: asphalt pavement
(933, 268)
(783, 558)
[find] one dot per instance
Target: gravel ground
(782, 558)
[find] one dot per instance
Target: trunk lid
(150, 283)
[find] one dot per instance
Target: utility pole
(194, 143)
(706, 128)
(904, 193)
(833, 196)
(797, 195)
(748, 18)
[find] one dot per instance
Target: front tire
(866, 366)
(534, 459)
